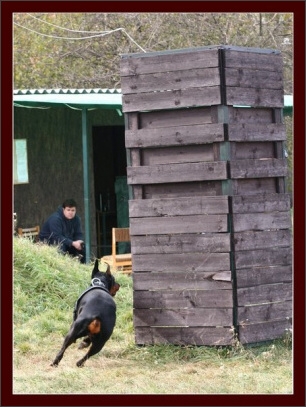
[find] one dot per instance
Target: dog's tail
(95, 326)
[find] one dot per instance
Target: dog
(94, 315)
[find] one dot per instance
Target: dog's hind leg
(96, 346)
(85, 343)
(67, 342)
(73, 334)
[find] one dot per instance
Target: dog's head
(106, 277)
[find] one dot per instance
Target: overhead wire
(95, 35)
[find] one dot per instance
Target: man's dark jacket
(59, 230)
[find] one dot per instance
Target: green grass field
(46, 286)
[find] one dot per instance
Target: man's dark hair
(70, 203)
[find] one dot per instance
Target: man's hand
(78, 244)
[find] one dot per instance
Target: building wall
(55, 161)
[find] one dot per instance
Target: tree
(82, 50)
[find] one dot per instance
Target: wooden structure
(119, 261)
(31, 233)
(209, 214)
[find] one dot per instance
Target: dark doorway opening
(110, 184)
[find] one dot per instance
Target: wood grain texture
(252, 276)
(181, 262)
(189, 205)
(268, 293)
(192, 288)
(260, 258)
(214, 336)
(182, 135)
(256, 132)
(178, 224)
(264, 331)
(181, 243)
(183, 317)
(185, 172)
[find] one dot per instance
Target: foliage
(82, 50)
(46, 285)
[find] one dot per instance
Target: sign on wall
(20, 160)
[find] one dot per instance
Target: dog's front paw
(54, 364)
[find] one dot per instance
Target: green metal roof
(76, 98)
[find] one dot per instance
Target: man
(64, 228)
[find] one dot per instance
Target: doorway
(110, 183)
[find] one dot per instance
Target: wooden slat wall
(253, 79)
(263, 258)
(209, 217)
(169, 81)
(181, 270)
(179, 236)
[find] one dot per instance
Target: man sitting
(64, 228)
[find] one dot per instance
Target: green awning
(86, 98)
(75, 98)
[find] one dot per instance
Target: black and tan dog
(94, 315)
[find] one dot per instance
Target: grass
(46, 286)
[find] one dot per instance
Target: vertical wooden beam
(135, 155)
(279, 151)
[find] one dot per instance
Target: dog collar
(97, 282)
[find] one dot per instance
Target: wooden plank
(264, 202)
(267, 312)
(182, 172)
(253, 60)
(185, 262)
(263, 275)
(134, 154)
(254, 97)
(253, 78)
(172, 99)
(183, 317)
(261, 221)
(250, 240)
(182, 189)
(268, 257)
(262, 168)
(182, 243)
(174, 61)
(210, 336)
(187, 294)
(177, 154)
(257, 116)
(252, 150)
(253, 186)
(222, 276)
(256, 132)
(264, 331)
(159, 81)
(178, 224)
(175, 118)
(261, 294)
(182, 135)
(191, 205)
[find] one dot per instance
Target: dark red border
(7, 9)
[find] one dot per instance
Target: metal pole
(86, 185)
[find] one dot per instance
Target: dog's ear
(108, 270)
(95, 269)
